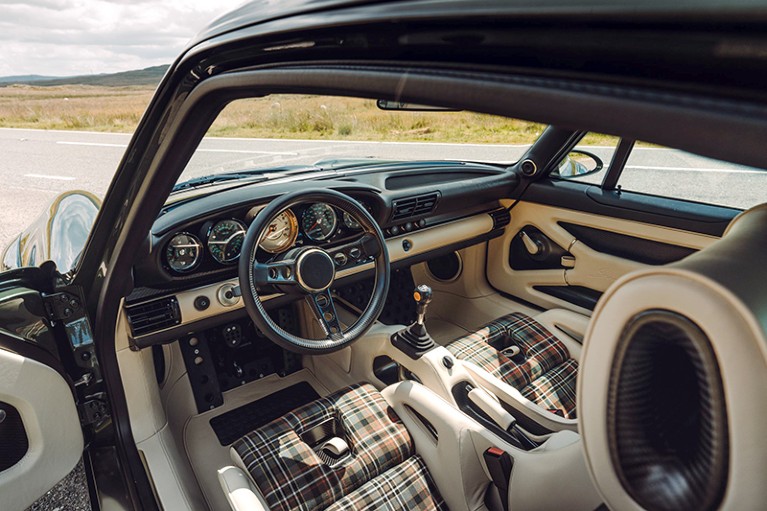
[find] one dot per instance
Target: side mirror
(577, 164)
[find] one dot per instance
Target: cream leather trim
(562, 323)
(421, 241)
(593, 269)
(455, 458)
(239, 491)
(50, 419)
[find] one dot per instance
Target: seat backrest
(673, 377)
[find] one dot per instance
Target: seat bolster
(239, 490)
(567, 326)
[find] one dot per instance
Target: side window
(589, 160)
(665, 172)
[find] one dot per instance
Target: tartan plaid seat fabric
(291, 476)
(405, 487)
(544, 372)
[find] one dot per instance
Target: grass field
(118, 109)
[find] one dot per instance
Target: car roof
(261, 11)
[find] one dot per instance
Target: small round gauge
(319, 221)
(351, 222)
(225, 240)
(183, 252)
(281, 233)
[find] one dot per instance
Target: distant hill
(26, 78)
(147, 76)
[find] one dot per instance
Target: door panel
(46, 408)
(598, 249)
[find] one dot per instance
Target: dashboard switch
(227, 295)
(340, 259)
(355, 253)
(201, 303)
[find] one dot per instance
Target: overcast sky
(75, 37)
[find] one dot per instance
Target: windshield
(290, 132)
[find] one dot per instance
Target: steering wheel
(310, 271)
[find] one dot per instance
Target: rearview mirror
(385, 104)
(578, 164)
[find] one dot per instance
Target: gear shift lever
(415, 340)
(422, 296)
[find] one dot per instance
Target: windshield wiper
(257, 176)
(207, 180)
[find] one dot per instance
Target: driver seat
(348, 450)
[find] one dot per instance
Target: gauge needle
(316, 224)
(275, 234)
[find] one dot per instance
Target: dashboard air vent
(155, 315)
(414, 206)
(501, 218)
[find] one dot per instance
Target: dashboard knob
(394, 230)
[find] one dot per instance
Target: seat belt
(499, 465)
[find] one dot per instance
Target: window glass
(276, 131)
(589, 160)
(677, 174)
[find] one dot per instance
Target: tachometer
(183, 252)
(225, 240)
(319, 221)
(281, 233)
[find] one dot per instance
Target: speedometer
(319, 221)
(281, 233)
(225, 240)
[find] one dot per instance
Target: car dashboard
(186, 278)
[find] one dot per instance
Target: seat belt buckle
(499, 465)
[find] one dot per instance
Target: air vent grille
(414, 206)
(153, 316)
(501, 218)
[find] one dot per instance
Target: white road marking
(96, 144)
(698, 169)
(45, 176)
(245, 151)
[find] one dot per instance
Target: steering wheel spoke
(279, 273)
(325, 311)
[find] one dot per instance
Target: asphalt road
(36, 165)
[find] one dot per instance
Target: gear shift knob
(422, 296)
(414, 340)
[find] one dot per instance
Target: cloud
(74, 37)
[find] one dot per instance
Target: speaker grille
(667, 421)
(446, 267)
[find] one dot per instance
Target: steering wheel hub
(315, 270)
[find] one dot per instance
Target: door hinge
(94, 409)
(62, 306)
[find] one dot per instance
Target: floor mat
(234, 424)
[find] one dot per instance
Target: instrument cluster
(220, 242)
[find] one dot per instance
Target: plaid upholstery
(547, 374)
(291, 476)
(405, 487)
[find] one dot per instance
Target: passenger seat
(525, 354)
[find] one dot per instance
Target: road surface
(36, 165)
